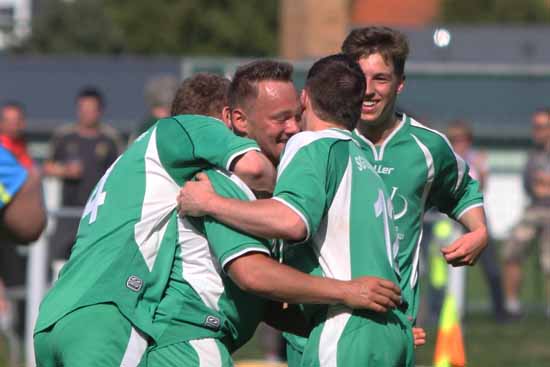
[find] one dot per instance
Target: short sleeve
(454, 191)
(214, 142)
(12, 176)
(227, 243)
(301, 182)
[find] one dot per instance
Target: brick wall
(312, 28)
(398, 13)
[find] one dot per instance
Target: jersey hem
(241, 253)
(239, 153)
(300, 214)
(467, 209)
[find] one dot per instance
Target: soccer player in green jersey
(417, 164)
(100, 310)
(349, 231)
(205, 312)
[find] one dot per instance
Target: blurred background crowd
(80, 79)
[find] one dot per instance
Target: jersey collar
(379, 153)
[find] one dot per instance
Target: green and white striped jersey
(322, 177)
(420, 170)
(201, 301)
(128, 232)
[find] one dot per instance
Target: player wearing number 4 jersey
(100, 310)
(319, 199)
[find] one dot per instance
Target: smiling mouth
(369, 104)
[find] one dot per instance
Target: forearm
(474, 219)
(55, 169)
(24, 218)
(256, 171)
(265, 218)
(261, 275)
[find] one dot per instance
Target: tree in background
(190, 27)
(495, 11)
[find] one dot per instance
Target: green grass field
(520, 343)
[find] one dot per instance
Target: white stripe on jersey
(332, 240)
(208, 352)
(137, 344)
(158, 204)
(238, 154)
(461, 165)
(303, 139)
(429, 180)
(333, 327)
(467, 209)
(199, 268)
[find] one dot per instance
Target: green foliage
(190, 27)
(495, 11)
(73, 27)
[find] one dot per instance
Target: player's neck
(378, 133)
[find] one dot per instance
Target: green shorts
(97, 335)
(193, 353)
(348, 340)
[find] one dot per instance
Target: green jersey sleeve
(213, 141)
(227, 243)
(187, 144)
(301, 181)
(453, 192)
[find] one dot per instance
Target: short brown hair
(244, 85)
(336, 87)
(201, 94)
(389, 43)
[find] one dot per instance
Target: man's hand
(419, 336)
(372, 293)
(73, 170)
(467, 249)
(195, 196)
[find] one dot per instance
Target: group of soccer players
(326, 248)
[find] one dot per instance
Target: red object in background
(17, 147)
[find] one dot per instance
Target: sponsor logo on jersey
(382, 170)
(362, 163)
(400, 203)
(212, 323)
(134, 283)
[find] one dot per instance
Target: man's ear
(304, 100)
(226, 117)
(401, 84)
(239, 121)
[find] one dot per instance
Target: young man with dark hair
(100, 310)
(348, 231)
(417, 164)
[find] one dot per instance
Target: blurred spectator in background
(535, 224)
(79, 155)
(159, 94)
(461, 137)
(12, 127)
